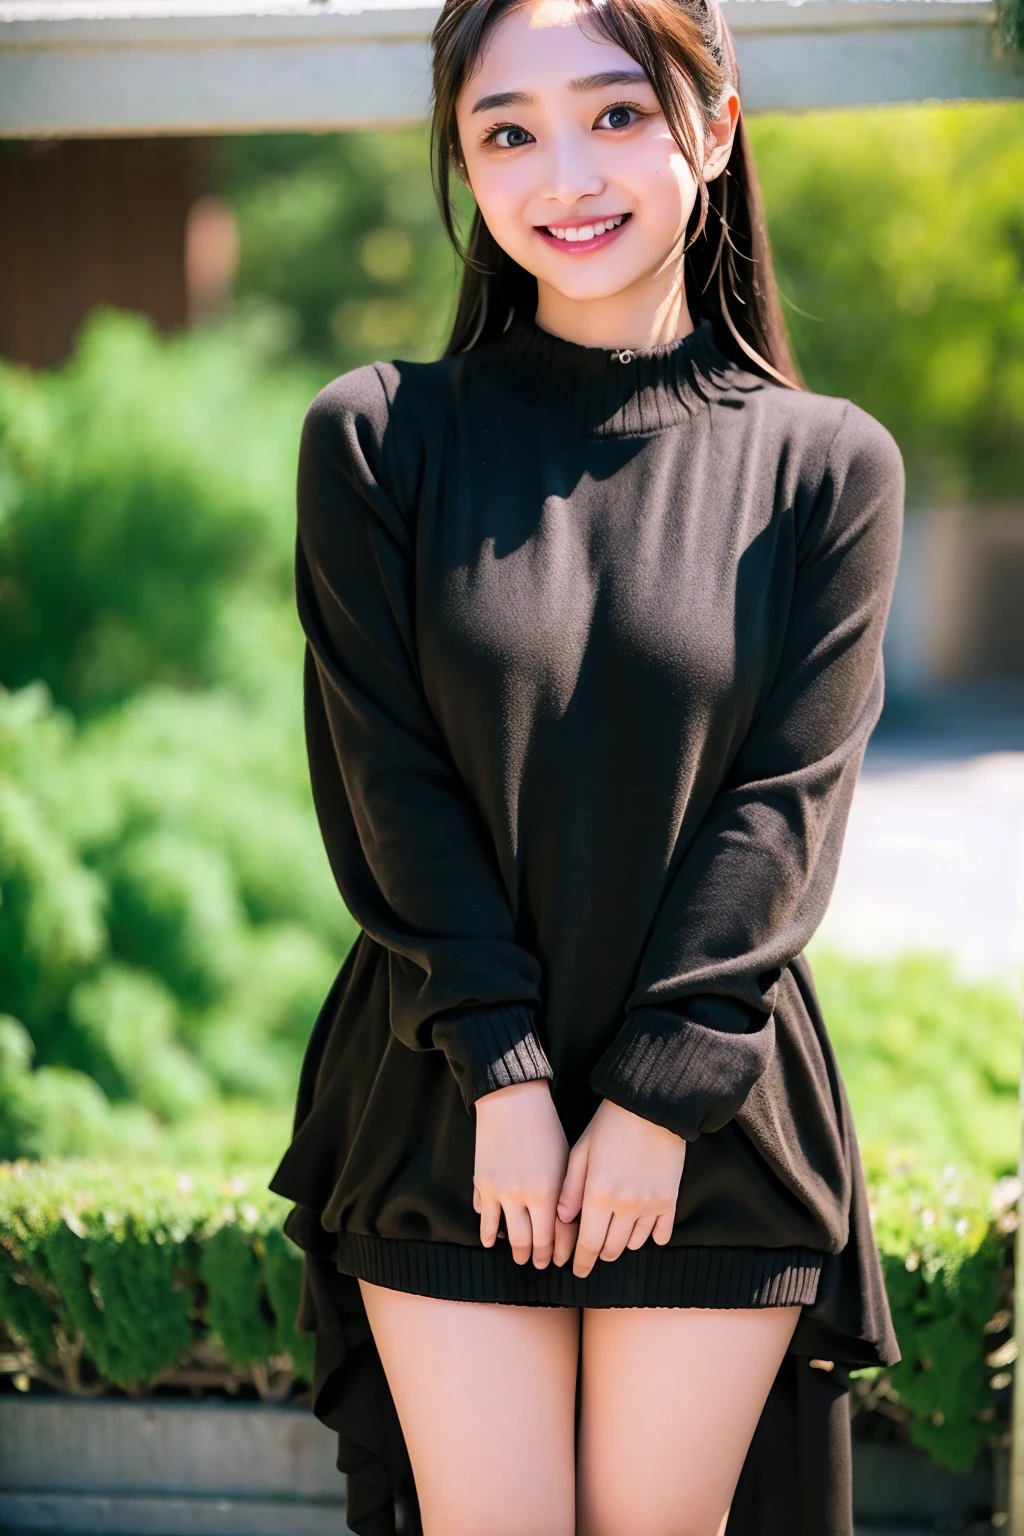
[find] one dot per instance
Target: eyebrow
(584, 83)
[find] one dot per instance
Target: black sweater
(594, 650)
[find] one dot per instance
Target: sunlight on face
(570, 159)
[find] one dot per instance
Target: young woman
(594, 609)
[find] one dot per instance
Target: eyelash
(492, 133)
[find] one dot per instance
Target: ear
(720, 136)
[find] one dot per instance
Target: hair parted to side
(684, 48)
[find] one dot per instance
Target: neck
(641, 316)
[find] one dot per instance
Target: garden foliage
(945, 1244)
(898, 237)
(112, 1281)
(932, 1062)
(168, 923)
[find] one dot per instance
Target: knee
(639, 1517)
(500, 1523)
(507, 1515)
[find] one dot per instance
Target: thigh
(486, 1398)
(670, 1400)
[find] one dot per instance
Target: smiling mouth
(583, 234)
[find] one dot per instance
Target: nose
(571, 173)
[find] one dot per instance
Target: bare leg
(486, 1399)
(671, 1398)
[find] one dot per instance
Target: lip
(583, 247)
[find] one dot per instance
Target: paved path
(934, 854)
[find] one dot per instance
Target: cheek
(670, 191)
(497, 188)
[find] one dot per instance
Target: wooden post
(90, 222)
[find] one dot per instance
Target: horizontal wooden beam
(94, 68)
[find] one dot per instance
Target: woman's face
(571, 161)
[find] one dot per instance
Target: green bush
(113, 1281)
(341, 244)
(146, 509)
(899, 243)
(944, 1246)
(168, 922)
(168, 928)
(931, 1062)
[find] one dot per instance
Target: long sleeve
(745, 895)
(404, 839)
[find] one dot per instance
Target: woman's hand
(623, 1182)
(521, 1155)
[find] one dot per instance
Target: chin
(587, 289)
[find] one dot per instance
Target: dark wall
(87, 222)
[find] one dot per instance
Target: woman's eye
(510, 137)
(619, 117)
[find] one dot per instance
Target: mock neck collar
(605, 392)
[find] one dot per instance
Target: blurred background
(168, 307)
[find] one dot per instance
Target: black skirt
(797, 1477)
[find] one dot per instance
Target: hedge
(946, 1244)
(110, 1281)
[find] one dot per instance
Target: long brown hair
(685, 49)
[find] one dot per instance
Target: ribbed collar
(597, 392)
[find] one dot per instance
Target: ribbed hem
(650, 1276)
(681, 1074)
(491, 1048)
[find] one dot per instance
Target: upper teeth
(587, 231)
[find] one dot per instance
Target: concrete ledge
(139, 67)
(166, 1468)
(209, 1447)
(163, 1516)
(212, 1468)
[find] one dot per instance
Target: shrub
(168, 922)
(111, 1281)
(146, 495)
(108, 1281)
(900, 296)
(946, 1259)
(931, 1061)
(168, 925)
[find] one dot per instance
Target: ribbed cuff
(683, 1074)
(490, 1048)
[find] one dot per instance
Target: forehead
(543, 45)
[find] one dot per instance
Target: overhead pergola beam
(84, 68)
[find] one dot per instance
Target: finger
(565, 1240)
(476, 1199)
(641, 1231)
(619, 1229)
(542, 1221)
(570, 1200)
(520, 1232)
(663, 1227)
(490, 1219)
(594, 1223)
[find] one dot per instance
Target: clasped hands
(615, 1189)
